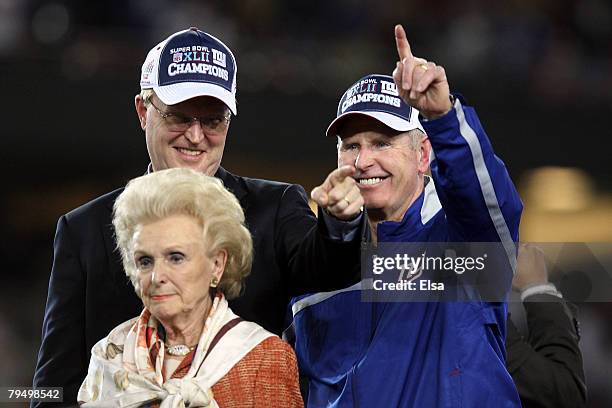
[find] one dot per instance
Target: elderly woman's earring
(214, 282)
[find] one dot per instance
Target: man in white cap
(188, 93)
(408, 353)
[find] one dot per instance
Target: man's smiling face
(389, 163)
(198, 147)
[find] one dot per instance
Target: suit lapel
(235, 185)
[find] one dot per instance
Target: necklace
(179, 349)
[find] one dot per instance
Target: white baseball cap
(376, 96)
(191, 63)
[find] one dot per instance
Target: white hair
(184, 191)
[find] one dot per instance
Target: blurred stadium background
(538, 72)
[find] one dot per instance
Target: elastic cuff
(545, 288)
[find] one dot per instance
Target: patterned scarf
(126, 367)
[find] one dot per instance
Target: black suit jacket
(89, 293)
(547, 366)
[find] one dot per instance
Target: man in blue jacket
(414, 354)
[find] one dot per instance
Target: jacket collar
(422, 210)
(232, 182)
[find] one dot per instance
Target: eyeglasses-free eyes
(177, 122)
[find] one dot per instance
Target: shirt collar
(409, 226)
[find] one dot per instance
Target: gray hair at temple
(180, 191)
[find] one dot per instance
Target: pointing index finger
(403, 47)
(337, 176)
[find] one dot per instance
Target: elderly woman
(186, 250)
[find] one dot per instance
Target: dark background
(538, 71)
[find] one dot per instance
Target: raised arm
(478, 196)
(547, 365)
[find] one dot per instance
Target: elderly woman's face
(173, 267)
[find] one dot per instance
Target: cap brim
(394, 122)
(179, 92)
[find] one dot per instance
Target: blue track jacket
(427, 354)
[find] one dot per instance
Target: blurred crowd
(556, 51)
